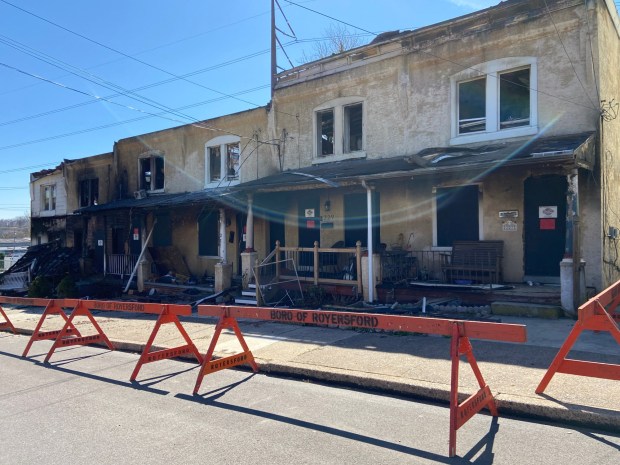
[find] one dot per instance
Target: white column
(222, 235)
(371, 271)
(249, 226)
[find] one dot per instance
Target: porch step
(248, 293)
(526, 309)
(245, 301)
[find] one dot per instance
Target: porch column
(223, 269)
(572, 267)
(249, 226)
(371, 269)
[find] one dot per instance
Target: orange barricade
(167, 314)
(52, 307)
(600, 313)
(459, 331)
(6, 324)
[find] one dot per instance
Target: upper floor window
(500, 104)
(339, 129)
(48, 197)
(89, 192)
(222, 161)
(152, 173)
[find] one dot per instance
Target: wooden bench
(474, 262)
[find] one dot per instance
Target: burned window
(48, 197)
(208, 234)
(232, 161)
(215, 163)
(152, 173)
(472, 105)
(325, 132)
(89, 192)
(223, 161)
(353, 127)
(514, 99)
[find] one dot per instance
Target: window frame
(435, 206)
(52, 199)
(341, 130)
(92, 198)
(493, 70)
(152, 156)
(222, 143)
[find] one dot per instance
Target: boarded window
(208, 233)
(457, 215)
(162, 232)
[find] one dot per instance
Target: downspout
(371, 274)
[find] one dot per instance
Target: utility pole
(274, 64)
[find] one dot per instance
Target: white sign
(100, 242)
(309, 212)
(509, 226)
(548, 211)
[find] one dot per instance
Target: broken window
(472, 106)
(152, 173)
(514, 99)
(353, 127)
(89, 192)
(48, 197)
(222, 161)
(325, 130)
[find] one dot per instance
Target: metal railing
(120, 264)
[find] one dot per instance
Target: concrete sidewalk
(410, 365)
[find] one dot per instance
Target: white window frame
(340, 130)
(53, 197)
(222, 142)
(493, 69)
(152, 155)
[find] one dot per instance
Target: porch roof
(574, 148)
(164, 201)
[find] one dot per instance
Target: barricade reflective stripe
(459, 331)
(52, 307)
(600, 313)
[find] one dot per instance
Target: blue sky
(56, 57)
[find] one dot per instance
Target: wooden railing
(322, 265)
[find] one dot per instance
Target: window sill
(155, 191)
(213, 185)
(339, 157)
(487, 136)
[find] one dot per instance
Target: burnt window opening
(89, 192)
(325, 126)
(223, 163)
(215, 163)
(472, 106)
(232, 161)
(353, 119)
(152, 173)
(514, 99)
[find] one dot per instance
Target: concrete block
(526, 309)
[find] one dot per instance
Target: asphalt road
(82, 409)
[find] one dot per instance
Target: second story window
(152, 173)
(89, 192)
(499, 104)
(339, 129)
(48, 197)
(222, 161)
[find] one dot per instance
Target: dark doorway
(356, 220)
(457, 215)
(544, 225)
(309, 221)
(276, 230)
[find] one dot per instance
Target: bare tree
(338, 39)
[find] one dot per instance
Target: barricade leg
(147, 356)
(7, 323)
(52, 308)
(594, 318)
(461, 413)
(65, 338)
(210, 366)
